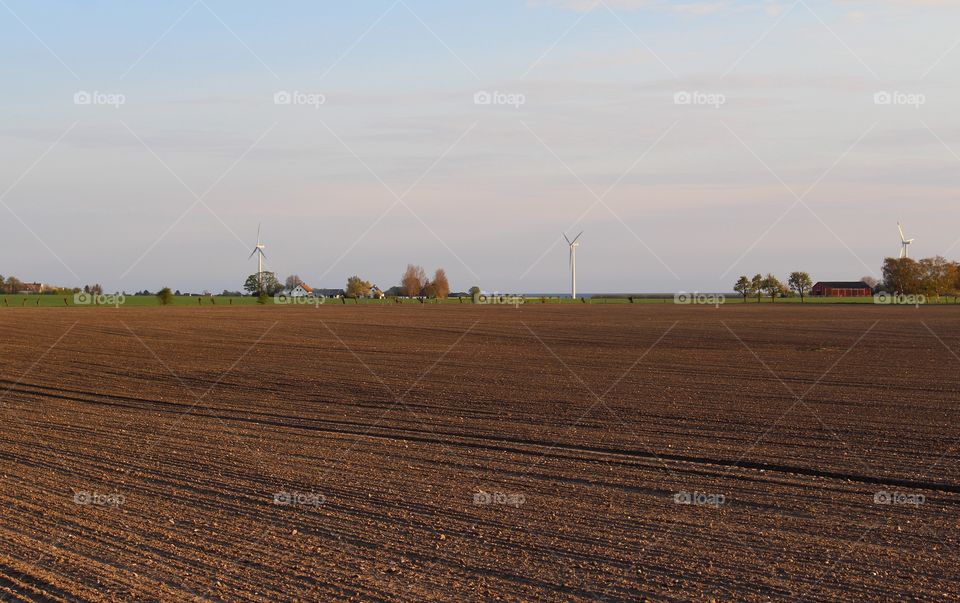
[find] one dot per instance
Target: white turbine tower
(573, 263)
(904, 242)
(258, 250)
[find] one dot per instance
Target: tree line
(11, 285)
(413, 283)
(798, 283)
(932, 277)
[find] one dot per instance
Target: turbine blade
(900, 228)
(566, 239)
(254, 252)
(578, 236)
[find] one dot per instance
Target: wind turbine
(905, 242)
(573, 263)
(259, 250)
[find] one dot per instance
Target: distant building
(336, 293)
(28, 288)
(376, 293)
(302, 290)
(841, 289)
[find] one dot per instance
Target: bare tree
(292, 281)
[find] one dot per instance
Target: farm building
(302, 290)
(31, 288)
(841, 289)
(335, 293)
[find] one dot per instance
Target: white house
(302, 290)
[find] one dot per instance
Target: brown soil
(578, 426)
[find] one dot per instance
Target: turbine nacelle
(259, 247)
(904, 243)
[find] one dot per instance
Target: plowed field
(412, 453)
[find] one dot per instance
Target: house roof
(306, 287)
(844, 284)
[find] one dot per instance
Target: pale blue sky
(690, 196)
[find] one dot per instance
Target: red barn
(841, 289)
